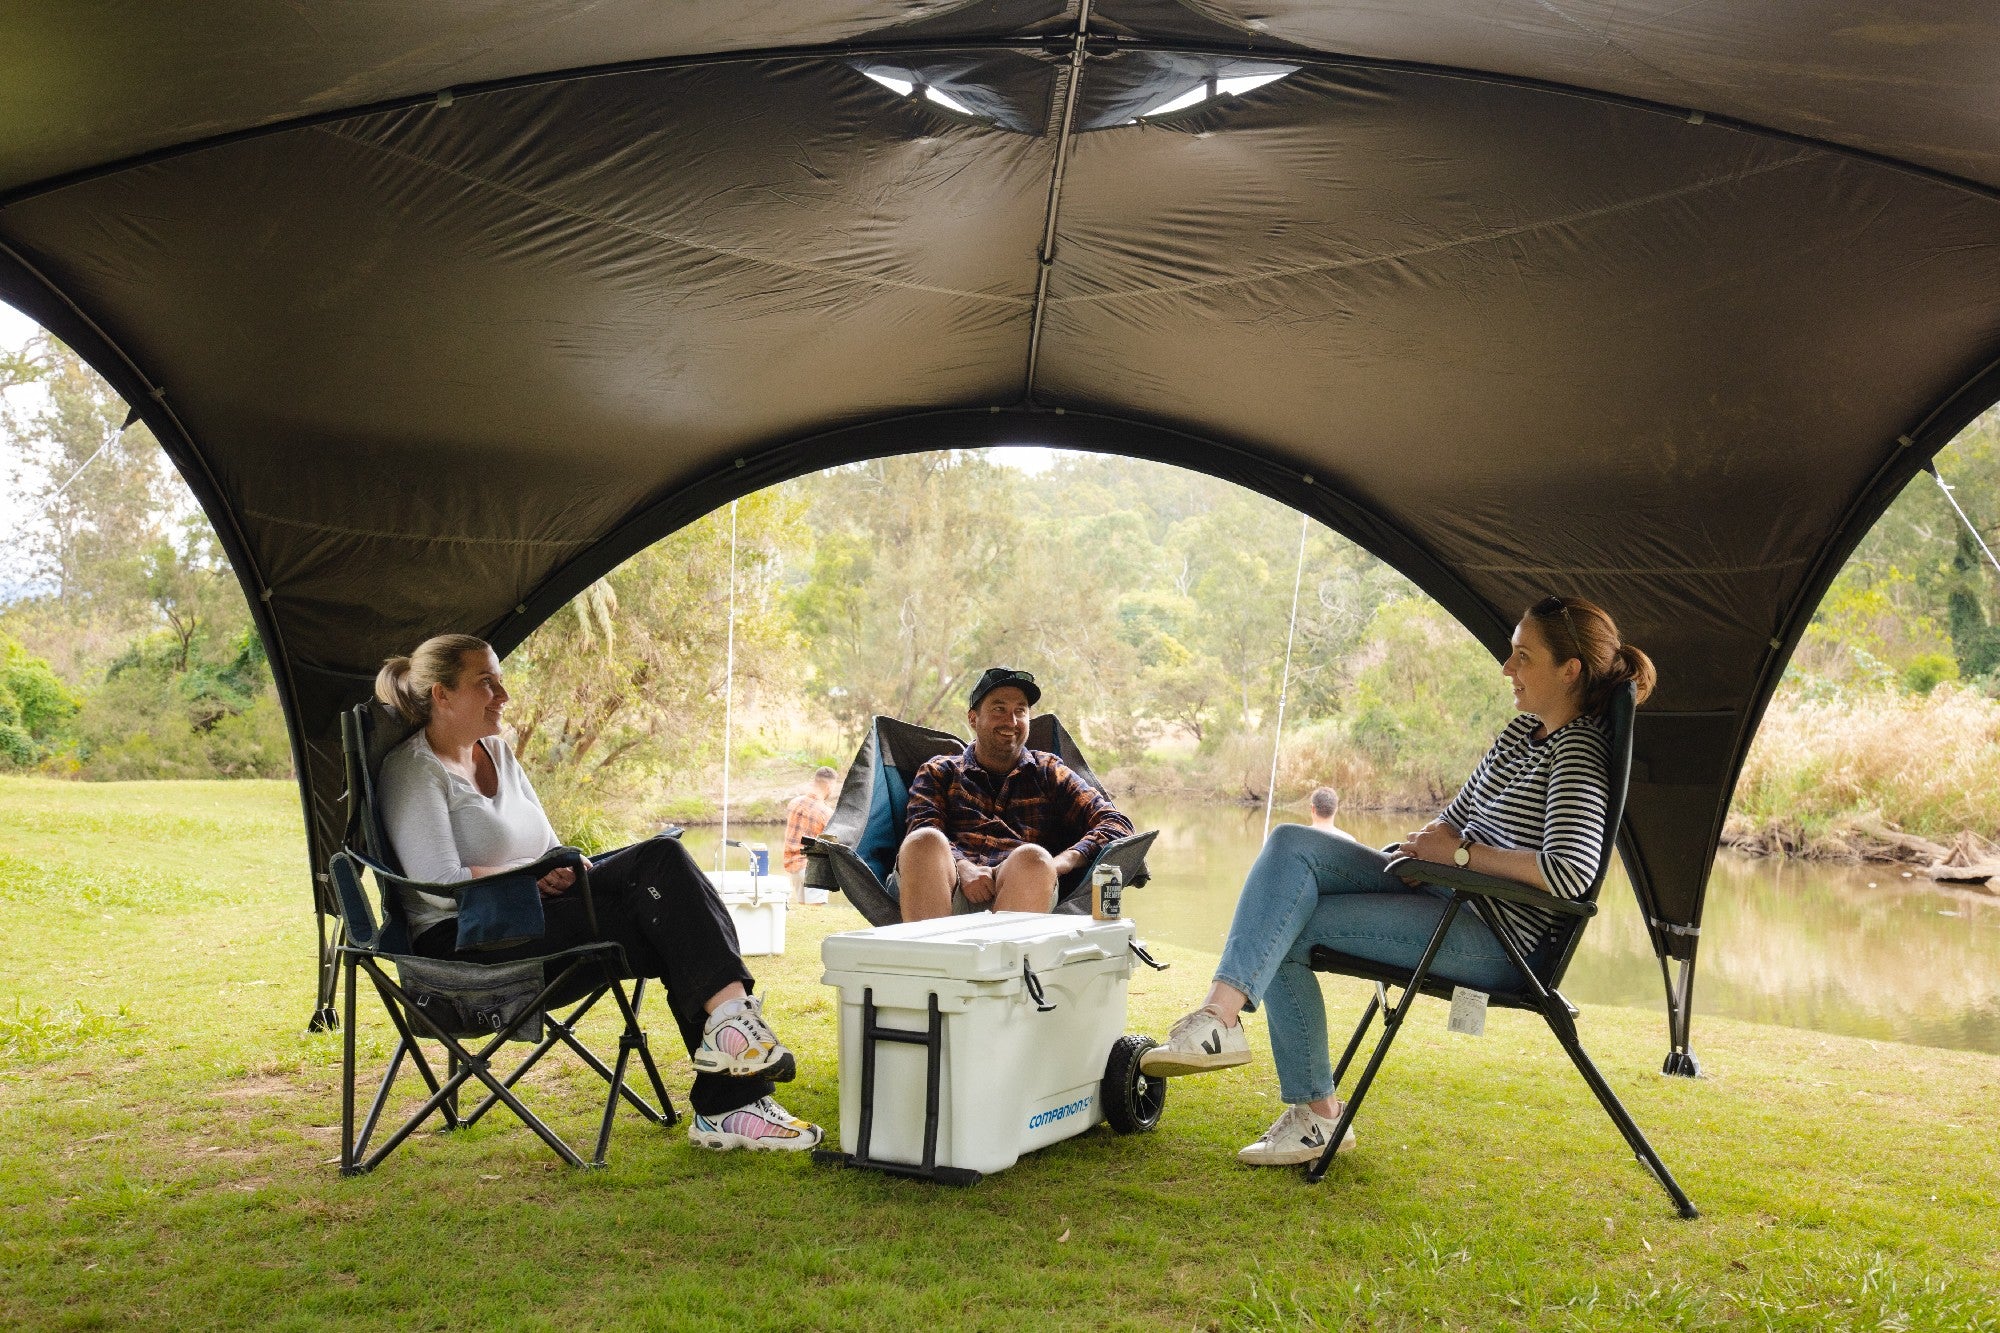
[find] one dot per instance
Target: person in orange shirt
(806, 817)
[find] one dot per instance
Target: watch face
(1460, 856)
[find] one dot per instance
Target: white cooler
(1014, 1071)
(757, 904)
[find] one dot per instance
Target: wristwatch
(1463, 855)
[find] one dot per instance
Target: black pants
(654, 901)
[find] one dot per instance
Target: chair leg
(391, 1003)
(563, 1030)
(629, 1039)
(347, 1149)
(375, 1108)
(1375, 1005)
(559, 1030)
(668, 1116)
(1392, 1022)
(468, 1064)
(1556, 1014)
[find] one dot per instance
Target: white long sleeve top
(442, 825)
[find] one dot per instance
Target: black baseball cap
(995, 677)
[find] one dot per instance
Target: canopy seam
(427, 539)
(1418, 252)
(669, 238)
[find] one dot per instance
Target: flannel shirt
(1040, 800)
(805, 818)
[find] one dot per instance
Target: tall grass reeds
(1922, 764)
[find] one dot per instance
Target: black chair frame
(1538, 991)
(576, 978)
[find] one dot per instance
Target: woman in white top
(1532, 811)
(457, 806)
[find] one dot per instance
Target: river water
(1856, 950)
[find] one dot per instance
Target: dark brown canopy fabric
(444, 310)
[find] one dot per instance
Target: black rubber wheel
(1133, 1102)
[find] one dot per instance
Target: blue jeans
(1310, 888)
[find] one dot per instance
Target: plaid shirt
(1040, 800)
(805, 818)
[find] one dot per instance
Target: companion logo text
(1053, 1114)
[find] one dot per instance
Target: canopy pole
(1046, 256)
(1285, 681)
(728, 697)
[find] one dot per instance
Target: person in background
(806, 817)
(1325, 805)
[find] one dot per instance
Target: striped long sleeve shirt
(1545, 796)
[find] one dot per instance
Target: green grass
(169, 1131)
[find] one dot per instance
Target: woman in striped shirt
(1532, 811)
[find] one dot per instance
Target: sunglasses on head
(1552, 606)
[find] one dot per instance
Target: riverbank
(170, 1125)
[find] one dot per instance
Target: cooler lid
(977, 946)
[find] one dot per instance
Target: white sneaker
(1198, 1042)
(1299, 1135)
(736, 1041)
(762, 1126)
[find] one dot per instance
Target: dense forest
(1153, 604)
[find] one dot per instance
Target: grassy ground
(169, 1130)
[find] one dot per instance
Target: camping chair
(857, 852)
(452, 1002)
(1537, 988)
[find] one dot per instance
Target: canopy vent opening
(1213, 87)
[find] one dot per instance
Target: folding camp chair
(1537, 988)
(857, 852)
(451, 1001)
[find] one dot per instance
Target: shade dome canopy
(445, 310)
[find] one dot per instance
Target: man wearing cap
(996, 827)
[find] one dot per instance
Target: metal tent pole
(728, 698)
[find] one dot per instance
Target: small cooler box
(967, 1041)
(757, 904)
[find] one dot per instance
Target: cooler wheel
(1133, 1102)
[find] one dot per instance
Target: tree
(915, 586)
(99, 487)
(624, 695)
(189, 584)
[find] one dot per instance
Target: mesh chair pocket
(474, 999)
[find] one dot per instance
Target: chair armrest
(1128, 854)
(1488, 886)
(824, 859)
(557, 858)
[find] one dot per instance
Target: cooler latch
(1147, 958)
(1034, 985)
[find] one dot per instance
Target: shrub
(1927, 671)
(34, 705)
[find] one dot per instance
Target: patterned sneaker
(738, 1043)
(1199, 1042)
(1299, 1135)
(762, 1126)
